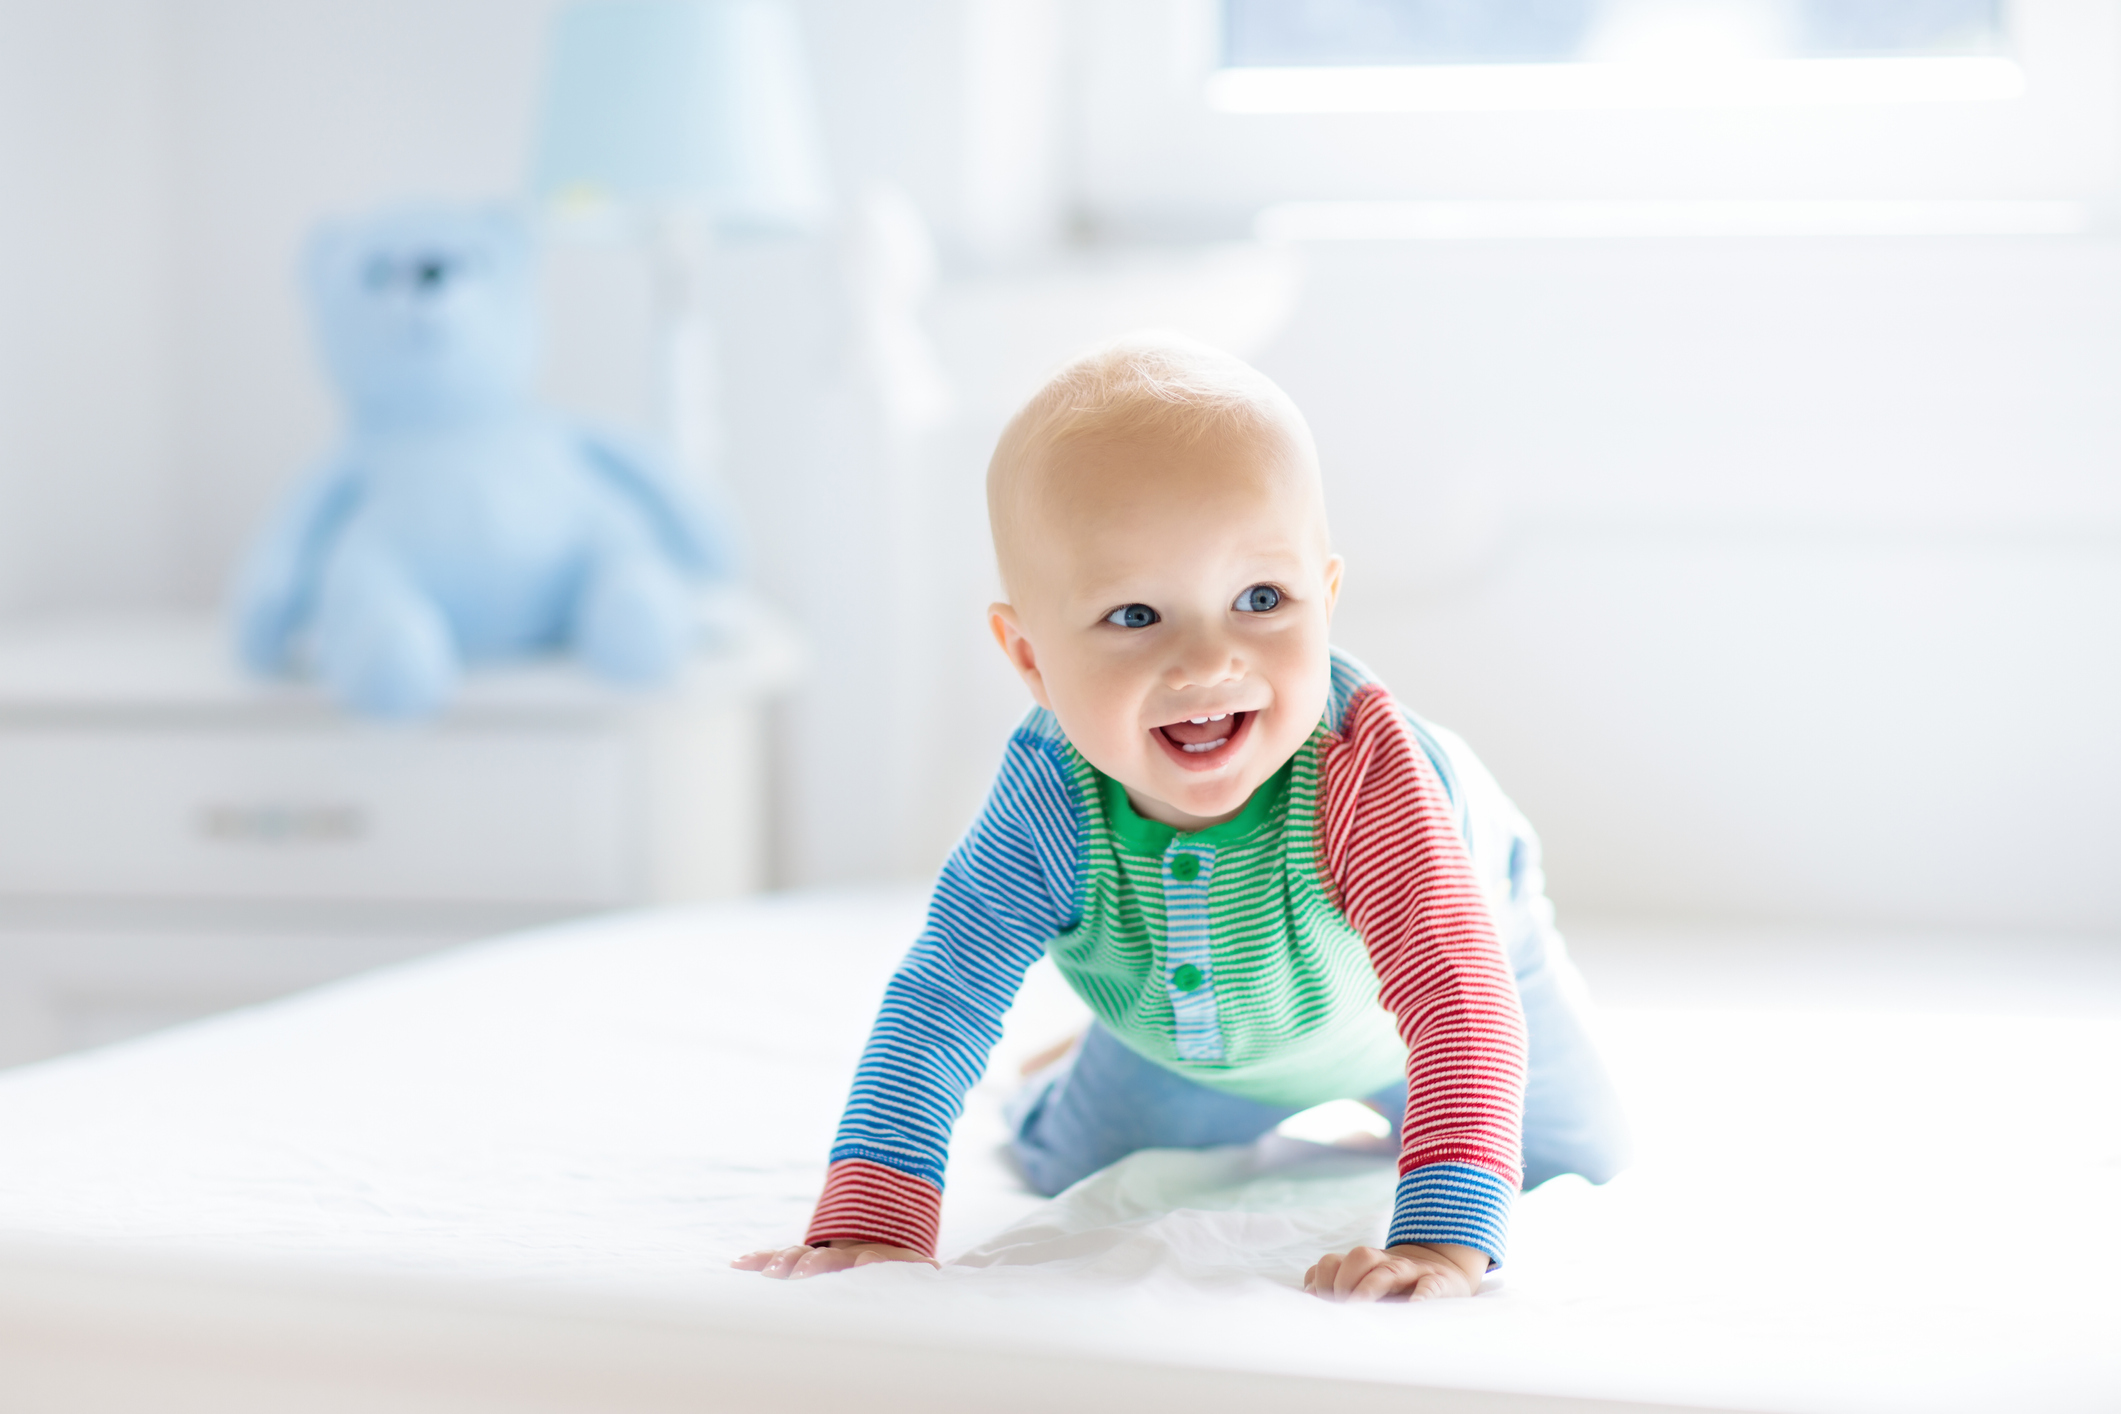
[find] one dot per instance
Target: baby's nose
(1205, 660)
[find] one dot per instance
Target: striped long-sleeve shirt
(1330, 937)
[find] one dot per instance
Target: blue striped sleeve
(1005, 893)
(1453, 1203)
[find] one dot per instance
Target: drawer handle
(271, 824)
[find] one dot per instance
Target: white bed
(511, 1177)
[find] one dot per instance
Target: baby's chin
(1207, 805)
(1206, 793)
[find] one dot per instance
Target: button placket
(1189, 977)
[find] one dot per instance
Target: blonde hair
(1148, 383)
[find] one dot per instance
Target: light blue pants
(1106, 1102)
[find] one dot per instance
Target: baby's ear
(1008, 632)
(1001, 620)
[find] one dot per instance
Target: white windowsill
(1428, 88)
(1593, 220)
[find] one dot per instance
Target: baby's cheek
(1103, 704)
(1101, 728)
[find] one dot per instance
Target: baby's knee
(1043, 1155)
(1047, 1172)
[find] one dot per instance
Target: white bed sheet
(1835, 1210)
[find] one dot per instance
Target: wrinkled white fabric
(1833, 1211)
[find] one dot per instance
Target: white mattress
(1836, 1210)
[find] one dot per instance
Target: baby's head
(1162, 537)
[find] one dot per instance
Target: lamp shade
(703, 104)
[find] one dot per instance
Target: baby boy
(1271, 884)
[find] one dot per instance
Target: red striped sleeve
(869, 1203)
(1393, 853)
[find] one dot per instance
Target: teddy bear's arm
(276, 582)
(693, 535)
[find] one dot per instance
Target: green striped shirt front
(1219, 955)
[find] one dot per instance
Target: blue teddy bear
(461, 521)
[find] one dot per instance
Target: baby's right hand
(835, 1256)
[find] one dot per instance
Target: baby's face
(1171, 609)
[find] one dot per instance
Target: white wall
(267, 115)
(282, 113)
(1776, 579)
(84, 395)
(259, 117)
(1773, 578)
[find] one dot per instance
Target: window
(1412, 55)
(1193, 116)
(1276, 33)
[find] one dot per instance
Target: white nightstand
(177, 838)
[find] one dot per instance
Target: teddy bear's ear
(325, 255)
(506, 232)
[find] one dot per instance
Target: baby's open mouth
(1199, 741)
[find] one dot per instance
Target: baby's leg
(1573, 1120)
(1106, 1102)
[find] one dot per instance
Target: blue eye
(1258, 599)
(1133, 616)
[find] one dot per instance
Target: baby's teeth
(1218, 716)
(1199, 721)
(1199, 746)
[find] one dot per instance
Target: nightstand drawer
(533, 815)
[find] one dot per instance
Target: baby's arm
(1003, 895)
(1395, 856)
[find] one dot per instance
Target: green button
(1187, 978)
(1185, 868)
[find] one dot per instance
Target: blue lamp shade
(682, 103)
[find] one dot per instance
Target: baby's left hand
(1414, 1271)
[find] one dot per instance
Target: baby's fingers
(1355, 1268)
(1319, 1280)
(820, 1260)
(864, 1256)
(773, 1261)
(1385, 1279)
(792, 1262)
(1434, 1284)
